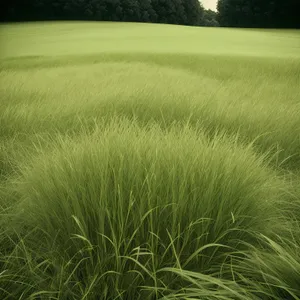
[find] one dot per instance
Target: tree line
(183, 12)
(231, 13)
(259, 13)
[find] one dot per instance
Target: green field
(144, 162)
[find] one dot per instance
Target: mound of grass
(126, 217)
(263, 108)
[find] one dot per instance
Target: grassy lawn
(144, 161)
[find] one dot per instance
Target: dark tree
(194, 11)
(209, 18)
(130, 11)
(165, 10)
(186, 12)
(180, 13)
(259, 13)
(148, 14)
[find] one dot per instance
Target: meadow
(150, 162)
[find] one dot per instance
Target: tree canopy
(209, 18)
(231, 13)
(259, 13)
(185, 12)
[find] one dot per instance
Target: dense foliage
(259, 13)
(231, 13)
(185, 12)
(209, 18)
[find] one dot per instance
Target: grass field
(144, 161)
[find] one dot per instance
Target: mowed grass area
(144, 161)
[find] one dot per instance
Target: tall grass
(134, 218)
(265, 108)
(144, 175)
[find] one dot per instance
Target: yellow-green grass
(144, 161)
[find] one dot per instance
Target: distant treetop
(231, 13)
(184, 12)
(259, 13)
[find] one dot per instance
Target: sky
(210, 4)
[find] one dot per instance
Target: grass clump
(139, 220)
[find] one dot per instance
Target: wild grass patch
(141, 172)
